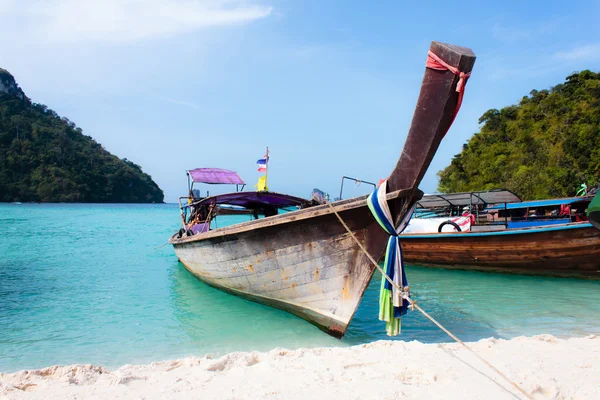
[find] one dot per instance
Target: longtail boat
(543, 237)
(305, 261)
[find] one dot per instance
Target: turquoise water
(86, 284)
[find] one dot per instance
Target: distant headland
(46, 158)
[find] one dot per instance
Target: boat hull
(569, 250)
(313, 269)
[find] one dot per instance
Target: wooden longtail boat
(516, 242)
(305, 262)
(568, 250)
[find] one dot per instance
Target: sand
(545, 366)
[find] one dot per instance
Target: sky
(329, 86)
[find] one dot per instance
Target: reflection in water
(455, 316)
(473, 305)
(476, 305)
(217, 322)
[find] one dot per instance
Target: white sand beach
(545, 366)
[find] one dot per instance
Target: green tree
(544, 147)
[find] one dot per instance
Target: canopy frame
(214, 176)
(496, 196)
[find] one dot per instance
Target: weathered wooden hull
(313, 269)
(569, 250)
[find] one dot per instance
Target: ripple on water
(86, 284)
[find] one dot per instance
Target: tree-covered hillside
(44, 157)
(545, 147)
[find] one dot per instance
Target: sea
(97, 283)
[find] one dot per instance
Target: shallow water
(90, 284)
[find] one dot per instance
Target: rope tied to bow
(435, 62)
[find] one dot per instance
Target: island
(46, 158)
(547, 146)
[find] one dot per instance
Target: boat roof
(215, 176)
(467, 198)
(543, 203)
(255, 199)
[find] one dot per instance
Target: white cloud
(122, 20)
(587, 52)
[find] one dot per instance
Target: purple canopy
(255, 199)
(215, 175)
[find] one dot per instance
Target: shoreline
(546, 367)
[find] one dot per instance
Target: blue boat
(495, 231)
(544, 212)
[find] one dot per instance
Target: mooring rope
(162, 245)
(413, 305)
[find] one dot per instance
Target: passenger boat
(545, 237)
(305, 261)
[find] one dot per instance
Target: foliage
(545, 147)
(44, 157)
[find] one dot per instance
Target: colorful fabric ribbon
(392, 305)
(435, 62)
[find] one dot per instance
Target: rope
(162, 245)
(435, 62)
(413, 305)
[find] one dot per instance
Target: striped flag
(262, 163)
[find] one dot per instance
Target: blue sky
(329, 86)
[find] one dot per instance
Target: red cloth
(434, 62)
(471, 217)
